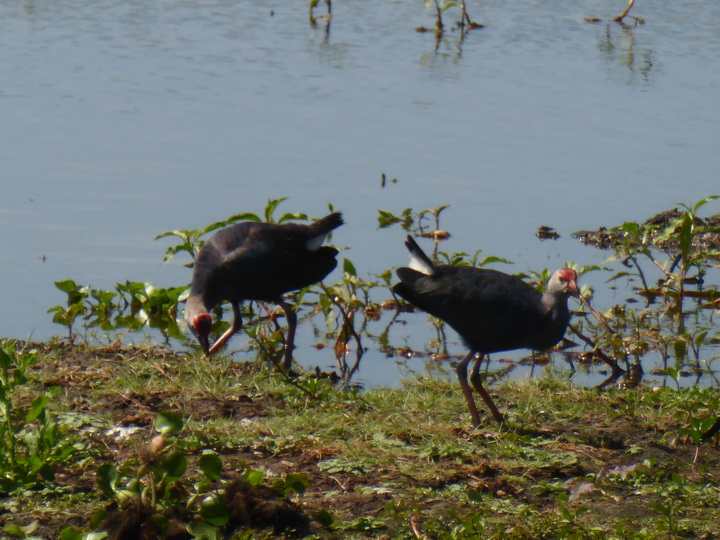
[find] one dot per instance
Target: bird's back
(262, 261)
(491, 311)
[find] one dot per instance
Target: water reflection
(124, 119)
(619, 45)
(323, 20)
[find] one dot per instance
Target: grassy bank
(571, 462)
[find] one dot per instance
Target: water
(122, 120)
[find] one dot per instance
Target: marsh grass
(570, 461)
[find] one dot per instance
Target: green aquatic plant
(191, 240)
(681, 249)
(131, 306)
(423, 223)
(327, 16)
(440, 7)
(33, 442)
(158, 485)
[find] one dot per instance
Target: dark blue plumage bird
(490, 310)
(257, 261)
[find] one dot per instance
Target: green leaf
(299, 483)
(106, 477)
(168, 423)
(5, 359)
(211, 466)
(349, 268)
(295, 216)
(69, 533)
(492, 259)
(702, 202)
(324, 518)
(99, 517)
(161, 522)
(14, 530)
(214, 510)
(175, 464)
(253, 477)
(169, 233)
(66, 286)
(37, 408)
(270, 207)
(475, 495)
(245, 216)
(125, 495)
(662, 509)
(203, 531)
(686, 234)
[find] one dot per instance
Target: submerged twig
(349, 328)
(620, 17)
(617, 371)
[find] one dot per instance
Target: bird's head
(564, 282)
(200, 326)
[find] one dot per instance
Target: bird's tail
(321, 228)
(418, 260)
(327, 224)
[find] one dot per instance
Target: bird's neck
(555, 307)
(195, 306)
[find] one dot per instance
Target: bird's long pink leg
(475, 380)
(291, 317)
(235, 327)
(462, 377)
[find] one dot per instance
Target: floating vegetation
(668, 265)
(620, 18)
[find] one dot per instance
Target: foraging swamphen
(490, 310)
(257, 261)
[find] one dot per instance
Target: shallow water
(122, 120)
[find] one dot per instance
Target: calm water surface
(124, 119)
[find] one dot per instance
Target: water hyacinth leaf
(253, 477)
(324, 518)
(68, 533)
(14, 530)
(299, 483)
(99, 517)
(475, 495)
(203, 531)
(214, 510)
(175, 464)
(629, 227)
(211, 466)
(168, 423)
(134, 485)
(106, 478)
